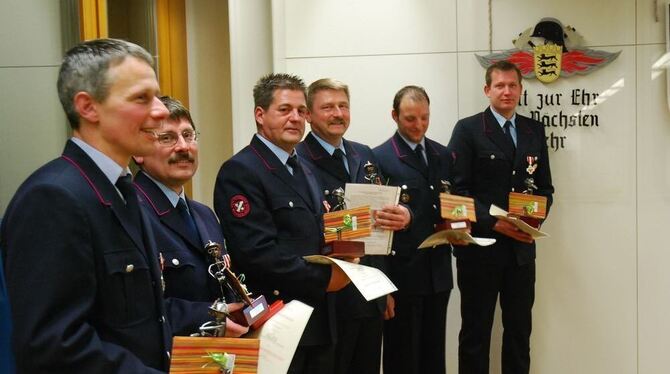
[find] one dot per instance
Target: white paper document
(450, 236)
(359, 194)
(279, 337)
(523, 226)
(371, 282)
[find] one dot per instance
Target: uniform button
(129, 268)
(431, 187)
(392, 253)
(175, 262)
(290, 204)
(493, 157)
(512, 189)
(513, 172)
(162, 319)
(404, 187)
(275, 292)
(434, 206)
(167, 353)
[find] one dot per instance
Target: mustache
(337, 121)
(182, 156)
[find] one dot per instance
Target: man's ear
(86, 106)
(394, 115)
(139, 160)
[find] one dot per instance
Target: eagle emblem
(549, 51)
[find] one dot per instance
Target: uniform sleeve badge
(239, 206)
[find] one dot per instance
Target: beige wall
(33, 127)
(602, 285)
(209, 89)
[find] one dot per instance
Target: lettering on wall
(563, 113)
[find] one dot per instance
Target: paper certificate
(371, 282)
(279, 337)
(358, 194)
(449, 236)
(523, 226)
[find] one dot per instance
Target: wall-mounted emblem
(549, 50)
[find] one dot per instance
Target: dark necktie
(419, 153)
(508, 133)
(125, 186)
(293, 163)
(299, 179)
(338, 155)
(189, 222)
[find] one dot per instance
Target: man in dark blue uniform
(493, 153)
(270, 207)
(82, 275)
(6, 356)
(338, 161)
(181, 226)
(414, 341)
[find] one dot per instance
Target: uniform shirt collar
(411, 144)
(281, 154)
(329, 147)
(109, 167)
(501, 119)
(167, 191)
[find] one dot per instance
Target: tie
(188, 220)
(125, 186)
(508, 133)
(341, 168)
(419, 153)
(293, 163)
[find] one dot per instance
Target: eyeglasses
(169, 139)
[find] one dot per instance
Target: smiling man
(82, 275)
(181, 226)
(493, 153)
(414, 341)
(270, 207)
(338, 161)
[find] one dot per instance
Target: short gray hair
(85, 68)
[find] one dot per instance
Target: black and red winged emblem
(550, 50)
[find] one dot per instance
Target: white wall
(33, 126)
(602, 285)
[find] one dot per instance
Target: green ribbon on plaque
(347, 221)
(459, 211)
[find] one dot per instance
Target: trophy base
(274, 309)
(531, 221)
(344, 249)
(448, 224)
(248, 315)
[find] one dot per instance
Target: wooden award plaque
(192, 354)
(341, 227)
(531, 209)
(458, 212)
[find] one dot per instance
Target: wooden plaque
(525, 205)
(190, 354)
(347, 224)
(457, 208)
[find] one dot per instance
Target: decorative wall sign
(550, 50)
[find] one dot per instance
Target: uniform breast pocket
(493, 165)
(292, 217)
(127, 288)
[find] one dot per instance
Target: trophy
(372, 174)
(458, 211)
(527, 206)
(341, 225)
(253, 310)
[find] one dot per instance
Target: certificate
(449, 236)
(279, 337)
(376, 196)
(371, 282)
